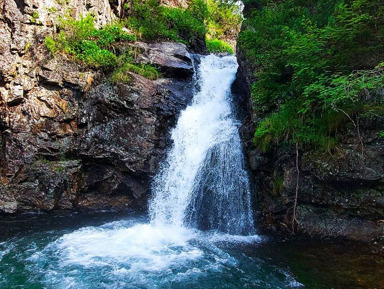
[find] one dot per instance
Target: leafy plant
(34, 17)
(216, 45)
(214, 18)
(314, 62)
(82, 41)
(153, 21)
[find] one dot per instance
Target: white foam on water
(167, 249)
(142, 255)
(234, 239)
(5, 248)
(143, 247)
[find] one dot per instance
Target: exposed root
(294, 217)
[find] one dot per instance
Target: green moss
(121, 75)
(27, 47)
(277, 183)
(43, 160)
(59, 168)
(62, 2)
(51, 44)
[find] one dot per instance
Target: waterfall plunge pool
(200, 232)
(98, 250)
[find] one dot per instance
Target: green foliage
(153, 21)
(51, 9)
(121, 75)
(314, 62)
(51, 44)
(126, 64)
(34, 17)
(94, 47)
(216, 45)
(90, 53)
(110, 34)
(82, 41)
(224, 18)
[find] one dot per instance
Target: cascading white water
(203, 182)
(202, 186)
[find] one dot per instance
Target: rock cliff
(70, 139)
(341, 194)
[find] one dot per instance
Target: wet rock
(8, 204)
(124, 131)
(45, 185)
(67, 148)
(59, 121)
(68, 139)
(173, 59)
(327, 222)
(75, 141)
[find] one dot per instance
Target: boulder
(172, 59)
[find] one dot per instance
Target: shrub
(91, 54)
(153, 21)
(110, 34)
(82, 41)
(313, 62)
(216, 45)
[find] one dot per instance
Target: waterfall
(201, 201)
(203, 183)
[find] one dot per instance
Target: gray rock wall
(68, 139)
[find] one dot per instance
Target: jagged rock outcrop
(69, 139)
(341, 194)
(69, 143)
(172, 59)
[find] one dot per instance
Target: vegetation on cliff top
(147, 20)
(202, 19)
(201, 22)
(318, 65)
(82, 42)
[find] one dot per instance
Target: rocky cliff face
(341, 194)
(68, 138)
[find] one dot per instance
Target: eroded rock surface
(172, 59)
(68, 138)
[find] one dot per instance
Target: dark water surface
(120, 250)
